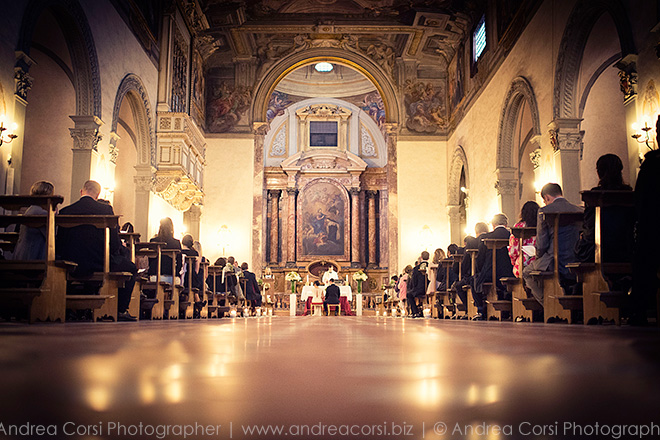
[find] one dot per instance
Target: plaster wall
(534, 57)
(228, 183)
(422, 195)
(159, 209)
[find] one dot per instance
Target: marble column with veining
(258, 223)
(291, 228)
(274, 212)
(355, 227)
(371, 212)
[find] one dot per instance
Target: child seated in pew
(187, 243)
(31, 244)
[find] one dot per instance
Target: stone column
(507, 189)
(371, 212)
(291, 228)
(454, 213)
(383, 258)
(355, 227)
(85, 137)
(191, 219)
(258, 229)
(274, 213)
(392, 198)
(143, 184)
(566, 139)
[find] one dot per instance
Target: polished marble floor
(327, 377)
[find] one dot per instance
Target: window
(322, 134)
(479, 39)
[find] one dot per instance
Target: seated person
(480, 229)
(568, 236)
(528, 218)
(166, 235)
(252, 290)
(416, 287)
(85, 245)
(31, 243)
(332, 295)
(484, 264)
(191, 274)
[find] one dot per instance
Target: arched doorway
(458, 195)
(518, 140)
(132, 152)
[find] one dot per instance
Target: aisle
(382, 375)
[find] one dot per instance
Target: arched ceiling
(340, 82)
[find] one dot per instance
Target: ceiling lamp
(323, 67)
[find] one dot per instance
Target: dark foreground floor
(328, 377)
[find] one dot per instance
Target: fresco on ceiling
(425, 106)
(278, 104)
(371, 103)
(226, 106)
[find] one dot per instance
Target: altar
(345, 292)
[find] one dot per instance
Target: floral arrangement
(360, 276)
(293, 276)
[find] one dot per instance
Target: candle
(347, 279)
(232, 313)
(308, 279)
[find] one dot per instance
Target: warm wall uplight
(426, 237)
(7, 126)
(224, 234)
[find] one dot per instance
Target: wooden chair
(599, 302)
(333, 306)
(173, 289)
(522, 304)
(219, 300)
(556, 304)
(471, 308)
(39, 287)
(495, 306)
(444, 301)
(187, 299)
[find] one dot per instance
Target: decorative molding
(628, 85)
(506, 187)
(367, 146)
(519, 92)
(178, 191)
(324, 111)
(535, 158)
(23, 82)
(279, 145)
(458, 162)
(132, 88)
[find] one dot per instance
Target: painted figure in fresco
(322, 223)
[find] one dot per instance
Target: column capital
(274, 193)
(371, 193)
(292, 191)
(260, 128)
(354, 191)
(506, 186)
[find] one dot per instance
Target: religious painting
(425, 105)
(226, 104)
(455, 80)
(197, 87)
(323, 221)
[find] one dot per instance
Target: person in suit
(484, 264)
(480, 229)
(417, 284)
(85, 245)
(552, 195)
(252, 291)
(31, 244)
(332, 295)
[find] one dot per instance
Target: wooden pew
(523, 304)
(38, 286)
(206, 293)
(555, 303)
(442, 299)
(471, 308)
(188, 309)
(154, 307)
(494, 305)
(131, 238)
(460, 308)
(103, 304)
(172, 290)
(599, 303)
(217, 297)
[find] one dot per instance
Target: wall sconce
(5, 125)
(645, 137)
(426, 237)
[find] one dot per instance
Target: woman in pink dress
(403, 288)
(528, 217)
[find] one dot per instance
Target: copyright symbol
(440, 428)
